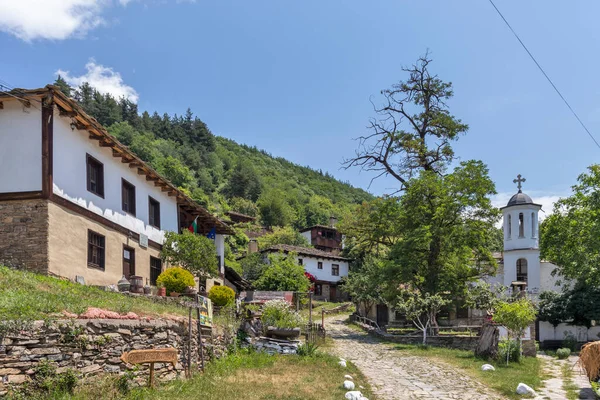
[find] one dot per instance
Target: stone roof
(519, 199)
(305, 251)
(333, 228)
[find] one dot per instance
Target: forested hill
(220, 173)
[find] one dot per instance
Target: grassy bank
(318, 306)
(29, 296)
(249, 376)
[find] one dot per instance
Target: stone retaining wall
(94, 346)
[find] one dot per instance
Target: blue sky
(295, 78)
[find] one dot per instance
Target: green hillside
(217, 172)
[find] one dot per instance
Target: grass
(323, 305)
(246, 375)
(569, 386)
(30, 296)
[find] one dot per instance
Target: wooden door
(128, 262)
(382, 315)
(332, 293)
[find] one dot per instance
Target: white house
(327, 267)
(76, 202)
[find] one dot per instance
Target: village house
(325, 238)
(76, 203)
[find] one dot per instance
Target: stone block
(17, 379)
(45, 351)
(9, 371)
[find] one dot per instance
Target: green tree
(285, 235)
(196, 253)
(176, 172)
(243, 206)
(570, 236)
(283, 273)
(515, 317)
(274, 209)
(420, 308)
(366, 287)
(253, 266)
(243, 182)
(63, 85)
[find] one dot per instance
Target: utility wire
(546, 75)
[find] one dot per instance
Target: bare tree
(413, 129)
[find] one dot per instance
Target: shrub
(176, 279)
(278, 313)
(570, 341)
(563, 353)
(512, 348)
(307, 349)
(221, 295)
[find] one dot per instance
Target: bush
(570, 341)
(221, 295)
(176, 279)
(509, 345)
(307, 349)
(278, 313)
(563, 353)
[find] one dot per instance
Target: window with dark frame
(300, 261)
(153, 212)
(335, 270)
(128, 197)
(319, 264)
(95, 176)
(96, 250)
(318, 289)
(155, 269)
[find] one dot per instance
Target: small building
(239, 218)
(75, 202)
(327, 267)
(323, 237)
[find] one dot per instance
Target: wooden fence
(315, 332)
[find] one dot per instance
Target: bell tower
(521, 241)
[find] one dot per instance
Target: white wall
(311, 266)
(220, 245)
(533, 267)
(530, 231)
(548, 332)
(307, 236)
(20, 147)
(70, 182)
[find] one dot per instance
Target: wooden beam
(94, 137)
(166, 189)
(135, 164)
(81, 127)
(151, 178)
(126, 160)
(1, 105)
(173, 193)
(64, 113)
(117, 153)
(141, 171)
(106, 144)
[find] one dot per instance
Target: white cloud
(104, 79)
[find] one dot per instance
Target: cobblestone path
(553, 386)
(395, 377)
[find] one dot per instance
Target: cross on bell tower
(518, 181)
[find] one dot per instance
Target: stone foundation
(24, 234)
(91, 347)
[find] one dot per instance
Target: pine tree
(63, 86)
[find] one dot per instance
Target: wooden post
(323, 318)
(297, 301)
(200, 344)
(151, 383)
(310, 308)
(189, 363)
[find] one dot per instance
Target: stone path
(395, 377)
(553, 387)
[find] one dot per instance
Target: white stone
(348, 377)
(354, 395)
(342, 359)
(487, 367)
(342, 363)
(523, 389)
(348, 385)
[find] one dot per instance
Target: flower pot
(162, 291)
(123, 284)
(147, 290)
(284, 333)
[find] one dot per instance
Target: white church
(520, 267)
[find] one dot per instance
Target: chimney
(252, 246)
(332, 221)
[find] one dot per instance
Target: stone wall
(92, 347)
(24, 234)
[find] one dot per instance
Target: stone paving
(395, 377)
(553, 387)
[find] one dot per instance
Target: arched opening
(522, 270)
(521, 226)
(533, 233)
(509, 227)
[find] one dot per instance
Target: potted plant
(162, 290)
(280, 320)
(175, 280)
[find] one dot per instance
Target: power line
(545, 74)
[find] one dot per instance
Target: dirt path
(394, 377)
(554, 386)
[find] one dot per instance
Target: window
(95, 176)
(320, 265)
(318, 289)
(509, 226)
(95, 250)
(128, 197)
(155, 269)
(153, 212)
(522, 270)
(521, 226)
(300, 261)
(335, 270)
(533, 225)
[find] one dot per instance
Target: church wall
(547, 281)
(533, 267)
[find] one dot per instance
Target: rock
(348, 377)
(348, 385)
(342, 363)
(487, 367)
(45, 351)
(353, 395)
(523, 389)
(112, 369)
(90, 369)
(17, 379)
(342, 359)
(9, 371)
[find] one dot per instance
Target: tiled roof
(318, 226)
(306, 251)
